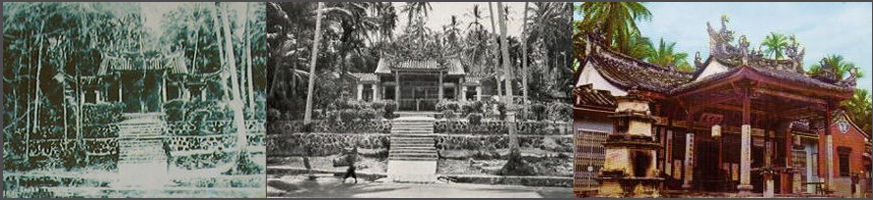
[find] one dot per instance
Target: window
(844, 153)
(367, 93)
(389, 93)
(471, 93)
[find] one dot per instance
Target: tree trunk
(307, 117)
(510, 109)
(248, 51)
(236, 104)
(196, 43)
(496, 50)
(36, 93)
(524, 56)
(217, 27)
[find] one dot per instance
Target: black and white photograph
(419, 99)
(117, 100)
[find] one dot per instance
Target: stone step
(412, 133)
(400, 152)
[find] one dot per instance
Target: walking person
(351, 157)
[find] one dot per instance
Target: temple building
(740, 123)
(132, 78)
(417, 85)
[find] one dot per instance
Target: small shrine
(631, 164)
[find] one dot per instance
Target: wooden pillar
(689, 160)
(478, 93)
(203, 93)
(120, 85)
(829, 142)
(745, 186)
(787, 178)
(360, 91)
(441, 93)
(374, 88)
(668, 155)
(397, 89)
(164, 88)
(463, 93)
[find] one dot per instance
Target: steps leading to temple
(142, 160)
(413, 156)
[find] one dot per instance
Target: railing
(418, 104)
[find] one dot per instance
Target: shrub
(274, 114)
(367, 114)
(475, 119)
(390, 107)
(348, 115)
(501, 108)
(560, 111)
(538, 110)
(102, 113)
(378, 105)
(448, 114)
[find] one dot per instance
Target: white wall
(590, 75)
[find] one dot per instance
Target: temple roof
(176, 63)
(626, 72)
(769, 72)
(365, 77)
(388, 64)
(587, 96)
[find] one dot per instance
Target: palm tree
(841, 67)
(616, 21)
(860, 110)
(664, 55)
(307, 116)
(524, 55)
(415, 8)
(775, 44)
(496, 50)
(513, 140)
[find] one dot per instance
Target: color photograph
(730, 99)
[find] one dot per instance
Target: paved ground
(327, 185)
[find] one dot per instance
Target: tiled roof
(176, 63)
(472, 80)
(388, 64)
(587, 96)
(779, 75)
(627, 72)
(365, 77)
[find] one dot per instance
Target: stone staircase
(142, 160)
(412, 156)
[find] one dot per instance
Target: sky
(824, 28)
(442, 15)
(153, 12)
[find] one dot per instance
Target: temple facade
(418, 85)
(740, 123)
(131, 78)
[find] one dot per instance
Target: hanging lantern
(716, 131)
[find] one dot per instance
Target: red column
(787, 178)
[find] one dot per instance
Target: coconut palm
(775, 44)
(860, 109)
(413, 9)
(307, 117)
(840, 65)
(664, 55)
(616, 21)
(524, 55)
